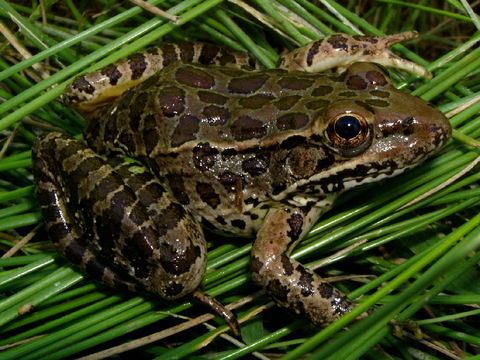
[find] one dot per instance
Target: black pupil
(347, 127)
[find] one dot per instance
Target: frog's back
(185, 104)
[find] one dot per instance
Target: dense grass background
(418, 266)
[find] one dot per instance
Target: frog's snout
(413, 131)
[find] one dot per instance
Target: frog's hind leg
(101, 212)
(90, 91)
(62, 224)
(341, 50)
(290, 284)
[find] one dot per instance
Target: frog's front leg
(342, 50)
(290, 284)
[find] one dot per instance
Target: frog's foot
(216, 307)
(93, 90)
(291, 285)
(341, 50)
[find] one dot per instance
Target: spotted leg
(117, 222)
(116, 213)
(342, 50)
(290, 284)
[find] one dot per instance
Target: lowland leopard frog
(221, 144)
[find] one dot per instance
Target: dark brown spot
(255, 265)
(150, 134)
(229, 152)
(278, 186)
(125, 138)
(208, 195)
(137, 65)
(169, 54)
(295, 83)
(82, 85)
(74, 252)
(186, 130)
(376, 78)
(338, 42)
(173, 289)
(87, 166)
(193, 76)
(292, 142)
(312, 52)
(171, 216)
(187, 52)
(95, 268)
(377, 103)
(215, 115)
(231, 181)
(221, 220)
(322, 90)
(356, 82)
(178, 188)
(256, 101)
(240, 224)
(287, 265)
(325, 290)
(380, 93)
(151, 193)
(137, 248)
(286, 102)
(252, 200)
(305, 282)
(296, 223)
(226, 58)
(153, 50)
(246, 127)
(211, 97)
(208, 54)
(171, 100)
(247, 84)
(292, 121)
(113, 74)
(340, 304)
(256, 165)
(137, 214)
(204, 156)
(178, 262)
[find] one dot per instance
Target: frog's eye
(349, 134)
(347, 127)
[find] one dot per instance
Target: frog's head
(370, 131)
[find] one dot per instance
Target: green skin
(229, 147)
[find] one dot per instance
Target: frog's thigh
(289, 283)
(126, 230)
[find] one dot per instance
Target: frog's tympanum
(187, 136)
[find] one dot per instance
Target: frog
(184, 137)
